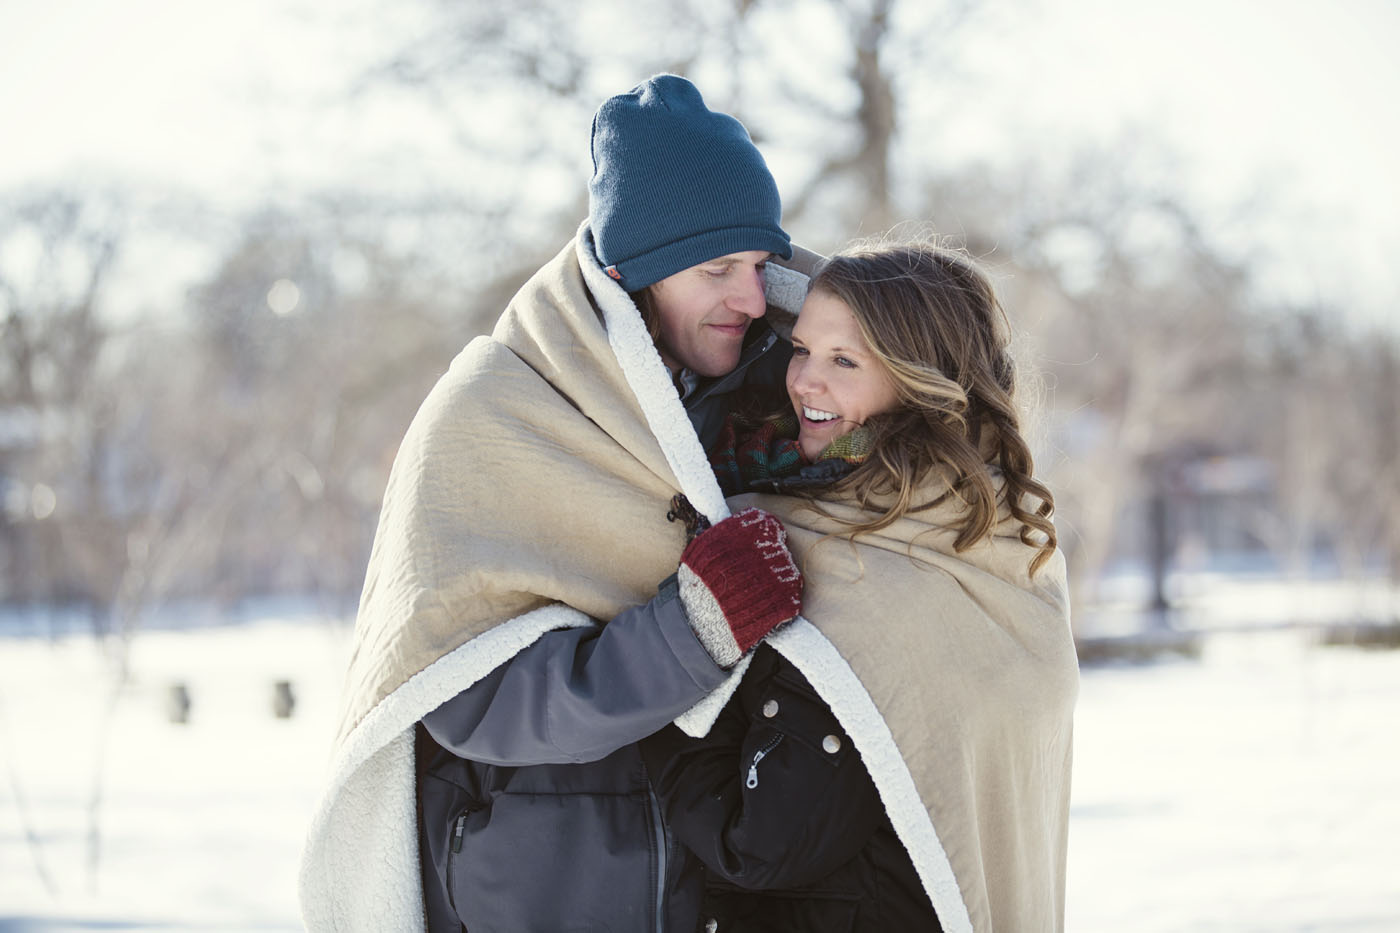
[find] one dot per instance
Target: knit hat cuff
(650, 267)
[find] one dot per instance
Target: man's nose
(748, 297)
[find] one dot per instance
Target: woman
(901, 401)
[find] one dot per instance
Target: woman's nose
(802, 377)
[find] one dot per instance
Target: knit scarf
(748, 457)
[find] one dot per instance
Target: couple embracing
(712, 591)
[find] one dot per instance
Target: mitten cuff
(707, 618)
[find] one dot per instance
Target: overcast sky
(1293, 98)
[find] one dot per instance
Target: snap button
(831, 744)
(770, 709)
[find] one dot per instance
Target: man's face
(706, 310)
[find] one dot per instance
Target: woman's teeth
(813, 414)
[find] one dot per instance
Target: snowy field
(1254, 789)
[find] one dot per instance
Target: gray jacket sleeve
(580, 694)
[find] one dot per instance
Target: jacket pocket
(802, 719)
(554, 862)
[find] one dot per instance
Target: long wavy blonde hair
(932, 319)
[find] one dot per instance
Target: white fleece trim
(832, 678)
(650, 382)
(360, 868)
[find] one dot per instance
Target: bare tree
(1139, 324)
(1333, 443)
(59, 253)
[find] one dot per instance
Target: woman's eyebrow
(847, 351)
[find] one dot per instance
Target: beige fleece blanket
(530, 493)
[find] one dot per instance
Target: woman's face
(834, 381)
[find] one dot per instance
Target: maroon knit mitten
(739, 582)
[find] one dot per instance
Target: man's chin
(712, 368)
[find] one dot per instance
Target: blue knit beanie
(676, 184)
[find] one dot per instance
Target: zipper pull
(758, 756)
(457, 832)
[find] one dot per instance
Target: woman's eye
(846, 363)
(799, 351)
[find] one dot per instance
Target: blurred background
(238, 244)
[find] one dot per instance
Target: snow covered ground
(1254, 789)
(201, 822)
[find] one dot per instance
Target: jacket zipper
(660, 831)
(758, 756)
(756, 350)
(457, 830)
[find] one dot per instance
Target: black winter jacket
(777, 804)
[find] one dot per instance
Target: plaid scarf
(761, 456)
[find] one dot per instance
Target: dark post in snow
(1163, 475)
(1158, 545)
(283, 701)
(177, 703)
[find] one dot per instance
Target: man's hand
(738, 582)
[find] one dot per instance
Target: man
(511, 522)
(684, 213)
